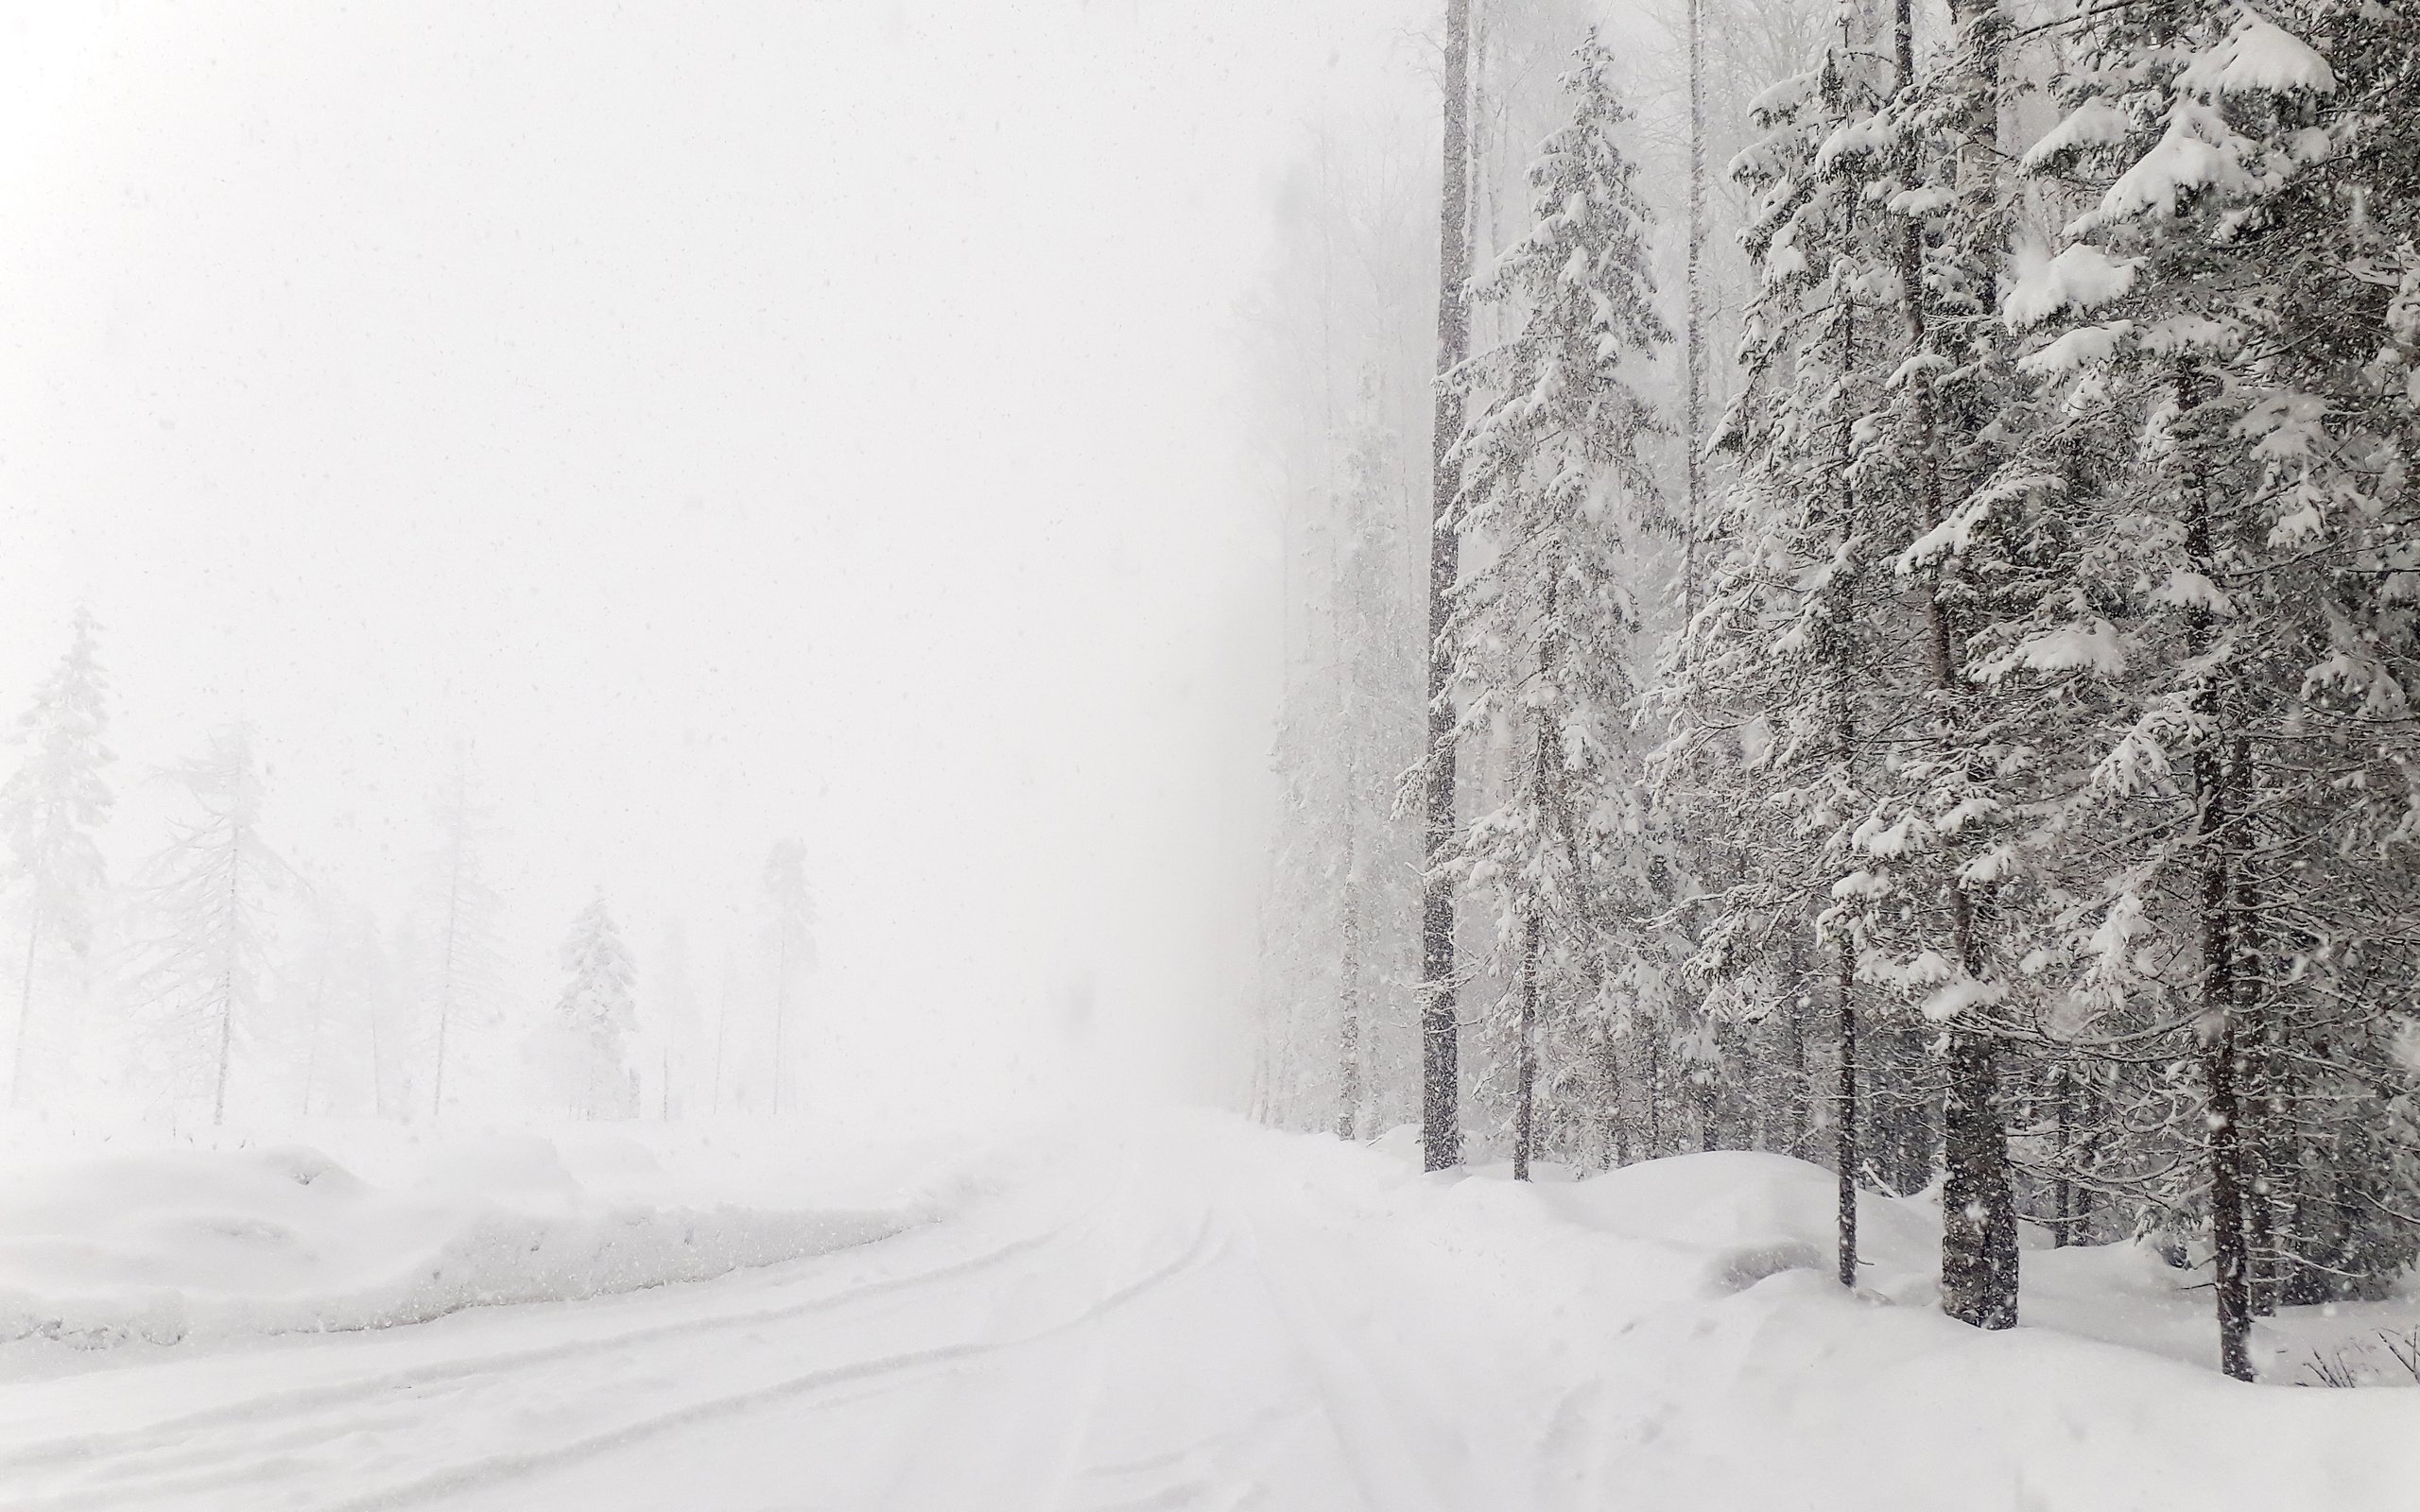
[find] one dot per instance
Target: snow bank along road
(1195, 1315)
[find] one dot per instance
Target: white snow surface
(2258, 56)
(2080, 348)
(1183, 1311)
(2094, 124)
(2082, 276)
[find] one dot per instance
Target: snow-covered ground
(1185, 1312)
(1752, 1214)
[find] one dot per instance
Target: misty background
(830, 423)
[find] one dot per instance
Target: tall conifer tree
(1555, 487)
(208, 898)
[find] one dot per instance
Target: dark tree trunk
(1978, 1262)
(1656, 1076)
(2217, 846)
(2062, 1183)
(2217, 1038)
(1693, 338)
(1525, 1115)
(1440, 1030)
(1348, 1054)
(2256, 1058)
(2085, 1091)
(1545, 795)
(1845, 1151)
(1798, 1086)
(1705, 1090)
(1979, 1218)
(1610, 1103)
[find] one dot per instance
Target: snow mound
(163, 1247)
(1752, 1214)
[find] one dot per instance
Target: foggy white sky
(739, 419)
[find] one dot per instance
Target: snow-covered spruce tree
(1785, 674)
(2351, 1222)
(584, 1052)
(206, 901)
(2231, 291)
(1933, 843)
(1552, 482)
(789, 925)
(464, 956)
(50, 809)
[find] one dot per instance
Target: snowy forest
(238, 976)
(1288, 756)
(1877, 625)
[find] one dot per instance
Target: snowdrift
(166, 1245)
(1701, 1354)
(1746, 1216)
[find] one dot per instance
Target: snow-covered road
(1130, 1330)
(1194, 1315)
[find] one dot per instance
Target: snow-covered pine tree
(51, 808)
(464, 955)
(584, 1052)
(1552, 485)
(206, 901)
(790, 901)
(2366, 366)
(1931, 843)
(1784, 679)
(2229, 296)
(1951, 813)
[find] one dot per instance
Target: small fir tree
(585, 1050)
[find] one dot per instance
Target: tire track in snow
(496, 1470)
(1373, 1443)
(239, 1468)
(1206, 1474)
(291, 1437)
(363, 1389)
(1018, 1429)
